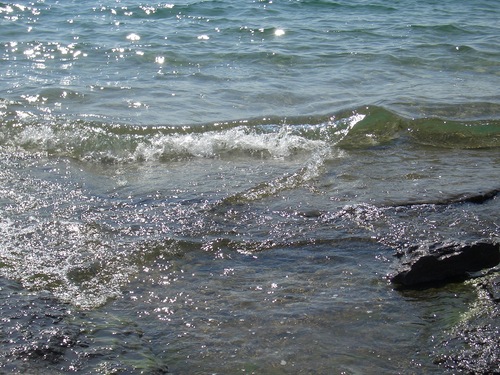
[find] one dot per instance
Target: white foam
(213, 144)
(95, 143)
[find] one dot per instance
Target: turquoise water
(219, 187)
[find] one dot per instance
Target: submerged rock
(439, 262)
(471, 347)
(41, 335)
(35, 332)
(478, 198)
(493, 288)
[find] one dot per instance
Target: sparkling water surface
(203, 61)
(208, 187)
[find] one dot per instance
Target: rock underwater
(439, 262)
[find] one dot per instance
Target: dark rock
(478, 198)
(439, 262)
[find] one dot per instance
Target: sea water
(219, 187)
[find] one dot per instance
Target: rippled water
(201, 61)
(219, 187)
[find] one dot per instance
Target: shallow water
(237, 271)
(212, 187)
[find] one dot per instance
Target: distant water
(218, 187)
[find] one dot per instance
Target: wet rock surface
(476, 198)
(472, 346)
(439, 262)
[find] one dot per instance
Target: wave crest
(370, 126)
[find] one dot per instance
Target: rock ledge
(439, 262)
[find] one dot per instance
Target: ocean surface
(219, 187)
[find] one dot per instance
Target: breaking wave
(263, 138)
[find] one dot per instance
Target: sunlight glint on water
(219, 187)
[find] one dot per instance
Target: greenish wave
(269, 137)
(381, 126)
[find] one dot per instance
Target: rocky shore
(471, 346)
(431, 263)
(40, 332)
